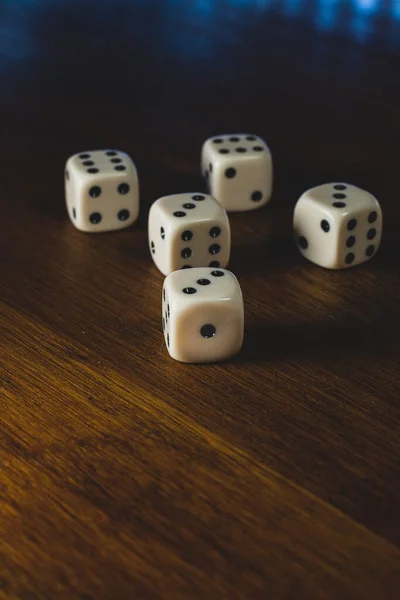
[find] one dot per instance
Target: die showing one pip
(203, 316)
(188, 230)
(101, 190)
(238, 170)
(337, 225)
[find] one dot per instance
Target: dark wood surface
(125, 474)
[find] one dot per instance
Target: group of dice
(336, 226)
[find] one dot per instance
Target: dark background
(124, 474)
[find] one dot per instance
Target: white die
(238, 170)
(101, 190)
(337, 225)
(203, 317)
(188, 230)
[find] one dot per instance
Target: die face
(317, 232)
(238, 170)
(360, 236)
(188, 230)
(203, 315)
(102, 190)
(160, 232)
(337, 225)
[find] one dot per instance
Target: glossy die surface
(188, 230)
(337, 225)
(202, 315)
(238, 170)
(101, 190)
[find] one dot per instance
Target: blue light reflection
(326, 14)
(204, 5)
(396, 9)
(368, 6)
(353, 17)
(16, 41)
(361, 20)
(292, 8)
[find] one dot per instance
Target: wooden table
(125, 474)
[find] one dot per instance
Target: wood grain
(124, 474)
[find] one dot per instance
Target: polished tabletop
(125, 474)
